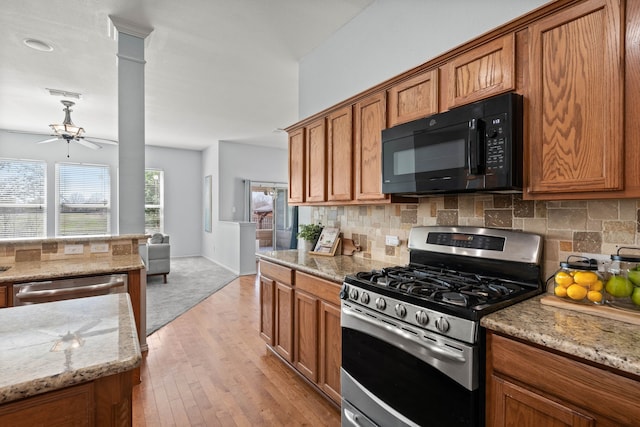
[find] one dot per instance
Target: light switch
(392, 241)
(99, 247)
(73, 249)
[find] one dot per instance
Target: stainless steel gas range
(412, 346)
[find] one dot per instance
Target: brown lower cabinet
(528, 385)
(102, 402)
(300, 321)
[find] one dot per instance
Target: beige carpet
(192, 279)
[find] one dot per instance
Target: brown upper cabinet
(575, 101)
(575, 62)
(413, 98)
(296, 166)
(484, 71)
(316, 162)
(369, 120)
(340, 154)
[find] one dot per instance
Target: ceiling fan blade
(25, 132)
(100, 140)
(48, 140)
(88, 144)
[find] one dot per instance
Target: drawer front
(4, 300)
(323, 289)
(277, 272)
(565, 379)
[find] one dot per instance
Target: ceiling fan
(68, 132)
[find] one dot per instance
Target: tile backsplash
(54, 249)
(588, 228)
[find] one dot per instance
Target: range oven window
(412, 387)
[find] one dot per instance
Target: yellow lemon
(576, 292)
(560, 291)
(594, 296)
(563, 279)
(585, 277)
(596, 286)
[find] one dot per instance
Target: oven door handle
(351, 417)
(436, 350)
(48, 293)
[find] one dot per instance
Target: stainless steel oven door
(394, 374)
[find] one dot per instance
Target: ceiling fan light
(67, 129)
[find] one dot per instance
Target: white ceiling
(216, 69)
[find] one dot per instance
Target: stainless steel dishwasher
(68, 288)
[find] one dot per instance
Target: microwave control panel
(495, 142)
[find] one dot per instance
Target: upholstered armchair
(159, 254)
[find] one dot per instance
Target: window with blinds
(83, 199)
(23, 201)
(153, 201)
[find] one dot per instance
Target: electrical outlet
(73, 249)
(99, 247)
(392, 241)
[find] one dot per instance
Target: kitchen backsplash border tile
(595, 228)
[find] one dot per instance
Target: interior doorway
(270, 211)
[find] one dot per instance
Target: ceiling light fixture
(64, 93)
(38, 45)
(67, 129)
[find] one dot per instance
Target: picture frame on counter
(328, 242)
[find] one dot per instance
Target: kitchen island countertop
(45, 270)
(46, 347)
(607, 342)
(332, 268)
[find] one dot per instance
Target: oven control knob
(344, 292)
(401, 310)
(422, 317)
(381, 304)
(353, 294)
(442, 324)
(364, 298)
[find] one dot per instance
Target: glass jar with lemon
(578, 280)
(623, 279)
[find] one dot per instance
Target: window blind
(23, 207)
(153, 201)
(83, 199)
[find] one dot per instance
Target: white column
(131, 137)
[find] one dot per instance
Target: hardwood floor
(209, 367)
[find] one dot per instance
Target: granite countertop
(74, 239)
(611, 343)
(45, 347)
(332, 268)
(43, 270)
(604, 341)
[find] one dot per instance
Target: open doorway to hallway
(275, 220)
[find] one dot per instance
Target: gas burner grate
(442, 284)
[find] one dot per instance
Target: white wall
(244, 161)
(22, 146)
(228, 164)
(182, 196)
(210, 160)
(390, 37)
(183, 182)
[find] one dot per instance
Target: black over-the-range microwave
(475, 147)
